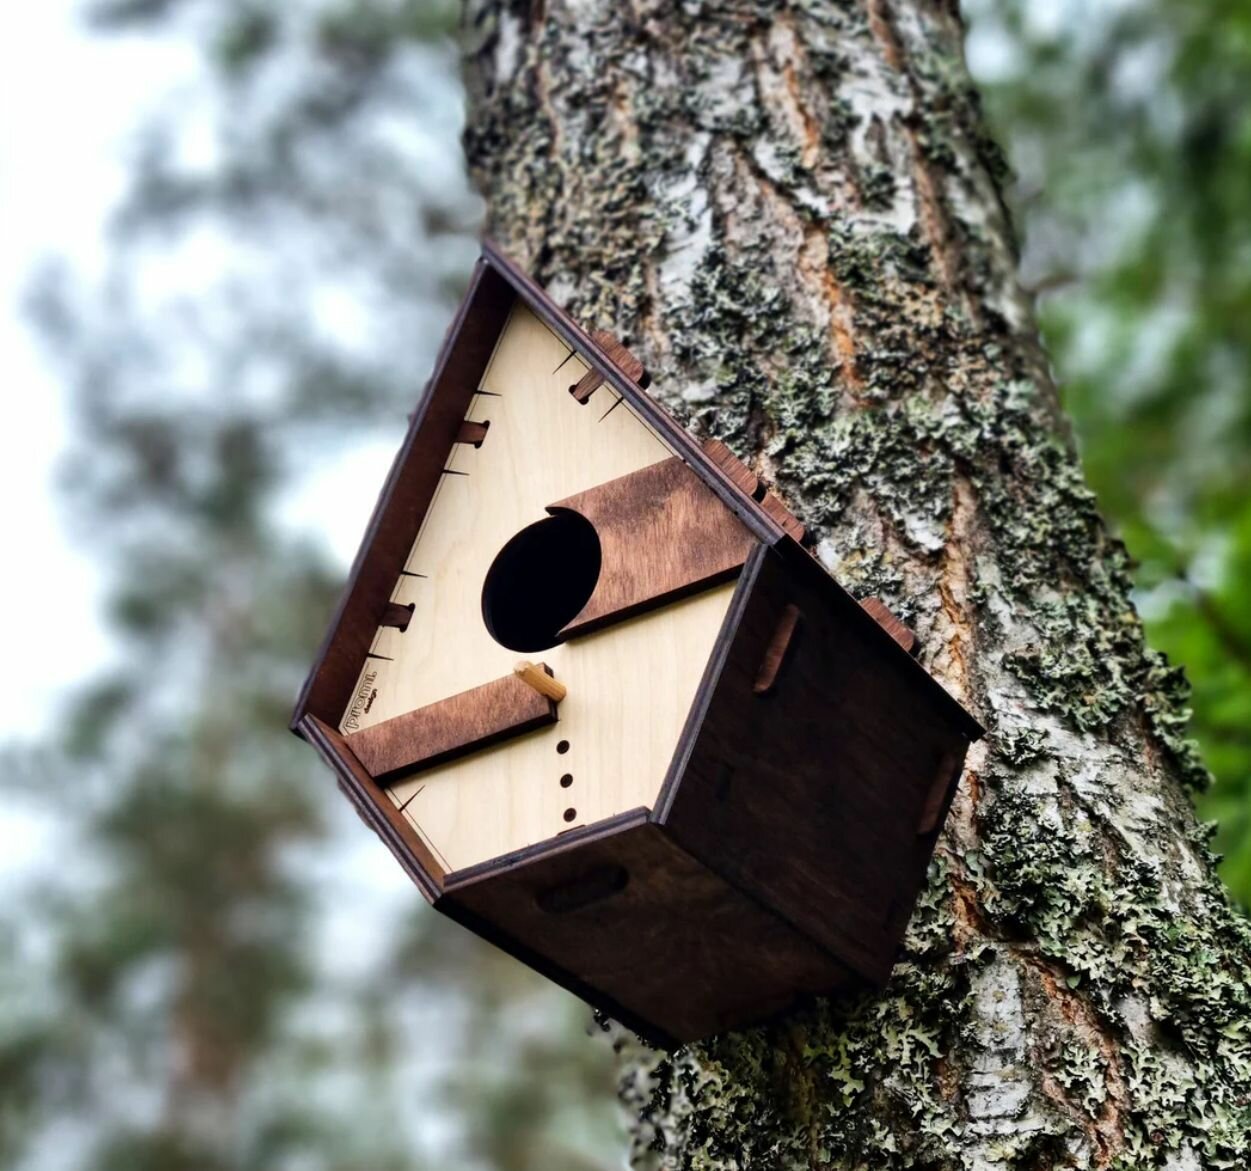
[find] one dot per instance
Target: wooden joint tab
(471, 432)
(592, 887)
(782, 516)
(898, 630)
(539, 676)
(744, 478)
(777, 650)
(625, 361)
(397, 615)
(751, 485)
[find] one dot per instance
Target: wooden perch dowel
(538, 678)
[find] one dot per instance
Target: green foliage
(1130, 128)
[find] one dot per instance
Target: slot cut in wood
(777, 650)
(629, 365)
(747, 480)
(593, 887)
(540, 678)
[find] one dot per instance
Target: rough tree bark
(793, 213)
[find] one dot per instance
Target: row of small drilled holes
(567, 780)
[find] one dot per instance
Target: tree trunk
(792, 212)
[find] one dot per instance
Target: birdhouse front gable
(535, 688)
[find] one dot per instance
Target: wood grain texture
(662, 535)
(787, 521)
(472, 433)
(666, 939)
(898, 630)
(747, 482)
(811, 801)
(451, 727)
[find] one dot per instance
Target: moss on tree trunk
(793, 213)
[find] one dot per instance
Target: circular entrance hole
(540, 580)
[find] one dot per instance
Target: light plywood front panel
(630, 686)
(630, 689)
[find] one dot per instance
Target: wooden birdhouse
(606, 710)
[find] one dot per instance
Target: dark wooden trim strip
(451, 728)
(557, 845)
(945, 777)
(410, 488)
(375, 807)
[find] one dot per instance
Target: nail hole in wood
(565, 782)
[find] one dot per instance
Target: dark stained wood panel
(662, 535)
(451, 727)
(811, 797)
(668, 941)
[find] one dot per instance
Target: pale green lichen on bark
(793, 212)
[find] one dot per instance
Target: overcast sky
(65, 102)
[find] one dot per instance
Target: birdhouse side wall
(821, 792)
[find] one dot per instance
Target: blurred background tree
(221, 980)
